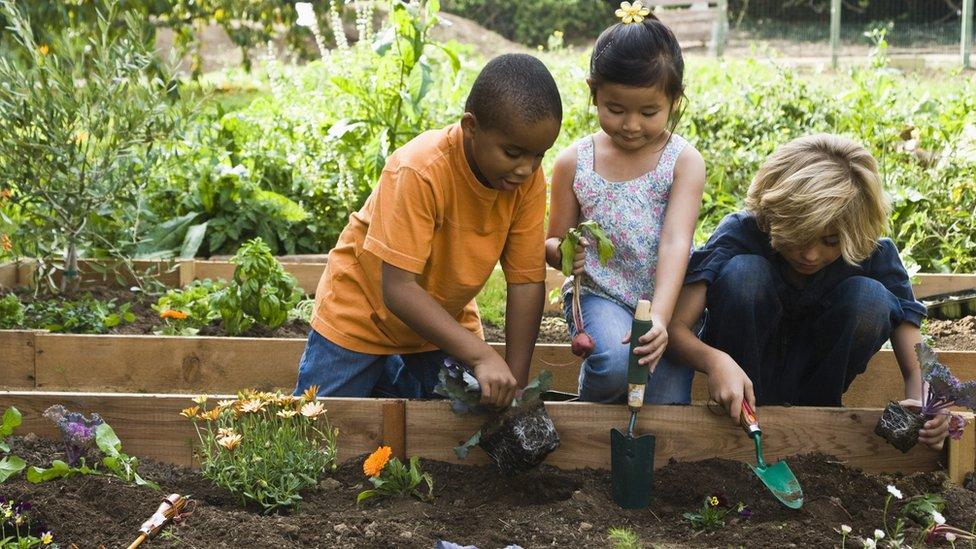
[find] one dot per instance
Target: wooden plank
(395, 428)
(934, 284)
(8, 274)
(962, 452)
(165, 364)
(17, 359)
(668, 3)
(684, 433)
(150, 425)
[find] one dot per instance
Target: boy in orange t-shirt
(398, 292)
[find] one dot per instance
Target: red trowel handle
(749, 420)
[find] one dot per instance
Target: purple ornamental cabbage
(944, 391)
(77, 431)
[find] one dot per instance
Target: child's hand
(652, 345)
(728, 385)
(935, 430)
(580, 258)
(498, 385)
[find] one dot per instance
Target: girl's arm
(674, 249)
(564, 209)
(903, 340)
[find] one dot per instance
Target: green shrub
(11, 312)
(184, 311)
(532, 22)
(85, 315)
(262, 291)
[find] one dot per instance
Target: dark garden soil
(476, 505)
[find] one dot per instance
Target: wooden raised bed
(150, 426)
(155, 364)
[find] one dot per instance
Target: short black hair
(514, 85)
(639, 54)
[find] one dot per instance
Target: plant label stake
(172, 509)
(778, 477)
(632, 459)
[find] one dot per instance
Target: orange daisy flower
(174, 314)
(190, 412)
(230, 442)
(376, 461)
(311, 392)
(210, 415)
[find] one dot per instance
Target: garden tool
(632, 458)
(777, 477)
(172, 509)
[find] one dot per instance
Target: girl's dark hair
(640, 54)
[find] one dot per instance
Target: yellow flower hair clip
(632, 13)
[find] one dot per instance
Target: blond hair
(817, 183)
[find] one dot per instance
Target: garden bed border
(150, 426)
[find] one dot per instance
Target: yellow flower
(225, 432)
(200, 399)
(230, 442)
(313, 409)
(190, 412)
(311, 392)
(5, 242)
(713, 501)
(252, 406)
(226, 403)
(376, 461)
(210, 415)
(632, 13)
(44, 49)
(47, 538)
(80, 137)
(219, 14)
(287, 413)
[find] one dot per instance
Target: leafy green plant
(390, 477)
(78, 121)
(10, 465)
(85, 315)
(713, 512)
(11, 312)
(262, 291)
(265, 447)
(79, 435)
(582, 344)
(184, 311)
(623, 538)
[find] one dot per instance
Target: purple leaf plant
(944, 391)
(77, 431)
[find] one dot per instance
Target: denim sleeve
(886, 267)
(732, 237)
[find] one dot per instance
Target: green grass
(491, 300)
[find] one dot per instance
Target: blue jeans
(340, 372)
(603, 376)
(798, 346)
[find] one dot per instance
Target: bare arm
(673, 251)
(903, 340)
(728, 384)
(404, 297)
(564, 209)
(523, 315)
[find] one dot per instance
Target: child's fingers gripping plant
(265, 447)
(390, 477)
(262, 291)
(582, 343)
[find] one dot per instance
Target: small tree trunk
(70, 279)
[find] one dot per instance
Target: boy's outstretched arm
(903, 340)
(728, 384)
(404, 297)
(523, 315)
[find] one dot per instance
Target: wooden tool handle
(750, 423)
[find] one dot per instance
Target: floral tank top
(632, 215)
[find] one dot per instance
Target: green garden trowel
(632, 458)
(777, 477)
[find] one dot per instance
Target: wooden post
(721, 27)
(187, 272)
(394, 432)
(967, 33)
(962, 452)
(835, 6)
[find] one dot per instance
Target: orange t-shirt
(428, 215)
